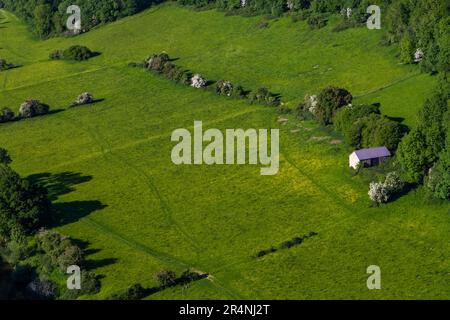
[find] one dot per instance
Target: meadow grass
(116, 188)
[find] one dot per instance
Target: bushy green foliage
(375, 130)
(265, 97)
(345, 118)
(329, 101)
(420, 149)
(4, 65)
(77, 53)
(166, 277)
(49, 17)
(6, 115)
(134, 292)
(420, 24)
(62, 251)
(23, 206)
(383, 191)
(33, 108)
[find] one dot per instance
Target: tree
(43, 20)
(378, 192)
(406, 49)
(23, 205)
(77, 53)
(72, 255)
(32, 108)
(329, 101)
(393, 183)
(165, 277)
(438, 180)
(412, 155)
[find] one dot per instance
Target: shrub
(238, 92)
(6, 115)
(4, 65)
(90, 285)
(394, 183)
(32, 108)
(224, 88)
(156, 62)
(264, 252)
(134, 292)
(56, 55)
(438, 180)
(329, 101)
(378, 192)
(42, 289)
(84, 98)
(166, 278)
(197, 81)
(71, 255)
(290, 243)
(77, 53)
(345, 117)
(382, 191)
(263, 96)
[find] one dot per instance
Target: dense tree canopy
(24, 207)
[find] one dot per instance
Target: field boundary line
(389, 85)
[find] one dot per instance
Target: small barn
(368, 157)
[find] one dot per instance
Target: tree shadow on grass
(60, 183)
(63, 183)
(90, 264)
(70, 212)
(406, 189)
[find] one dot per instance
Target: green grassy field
(109, 170)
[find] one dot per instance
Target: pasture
(109, 170)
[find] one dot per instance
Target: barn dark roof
(372, 153)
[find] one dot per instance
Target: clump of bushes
(76, 53)
(29, 109)
(329, 101)
(24, 206)
(363, 126)
(42, 289)
(265, 252)
(224, 88)
(306, 109)
(166, 278)
(133, 292)
(265, 97)
(197, 81)
(84, 98)
(61, 249)
(4, 65)
(161, 64)
(6, 115)
(285, 244)
(32, 108)
(382, 191)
